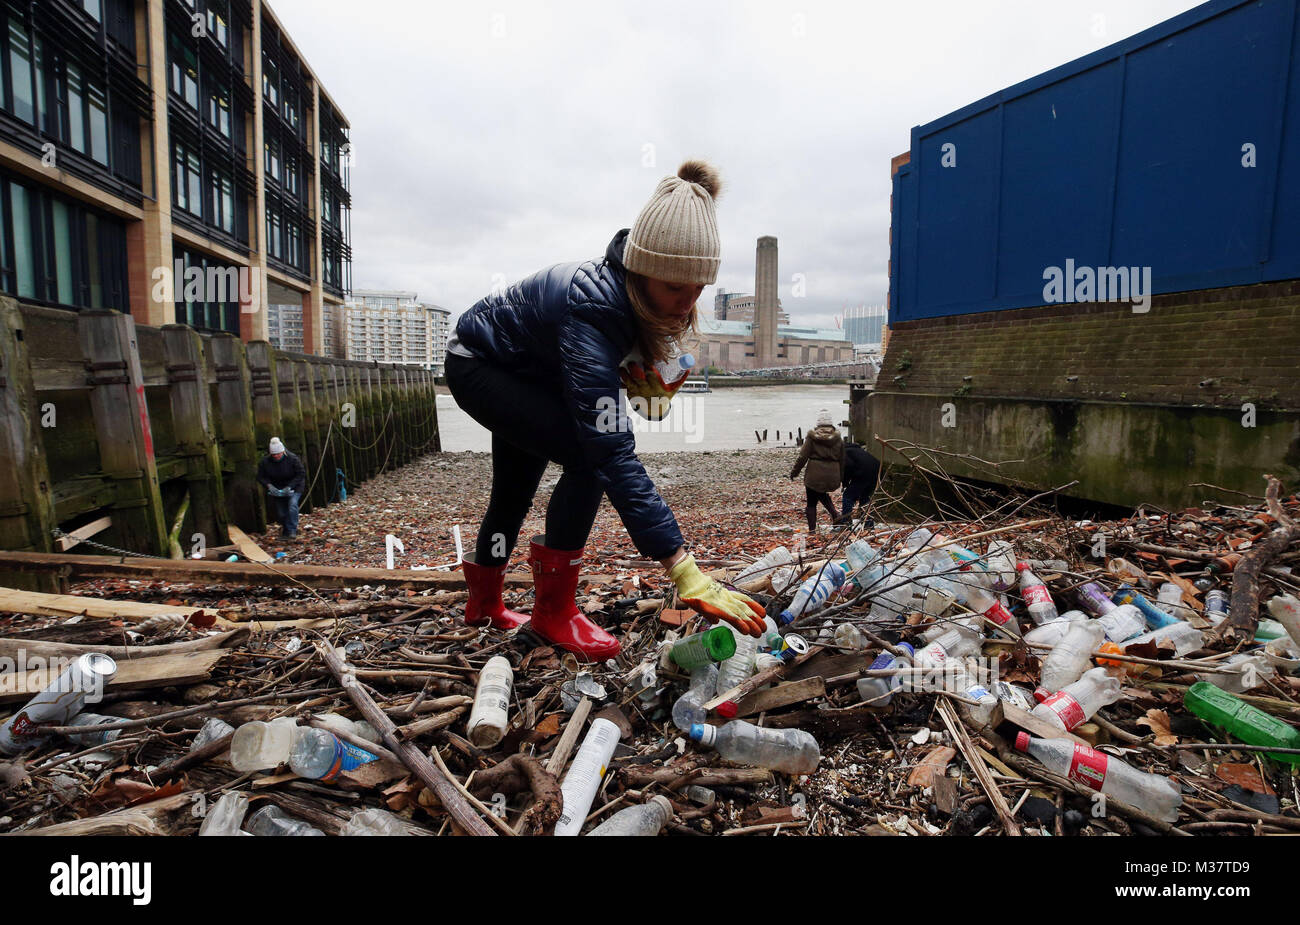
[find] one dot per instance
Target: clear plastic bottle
(791, 751)
(689, 708)
(972, 565)
(989, 607)
(863, 563)
(1002, 560)
(1252, 670)
(375, 822)
(1053, 631)
(1072, 656)
(226, 815)
(1170, 600)
(675, 367)
(1075, 703)
(646, 819)
(259, 746)
(812, 594)
(738, 668)
(584, 776)
(773, 562)
(880, 691)
(490, 714)
(898, 595)
(212, 730)
(848, 636)
(1126, 571)
(1149, 792)
(956, 643)
(1184, 637)
(1285, 609)
(90, 736)
(1122, 623)
(321, 755)
(1037, 598)
(357, 728)
(271, 820)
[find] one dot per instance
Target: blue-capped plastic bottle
(812, 594)
(791, 751)
(865, 569)
(1155, 617)
(689, 708)
(321, 755)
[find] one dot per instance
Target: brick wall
(1245, 338)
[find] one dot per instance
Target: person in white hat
(545, 365)
(823, 453)
(285, 479)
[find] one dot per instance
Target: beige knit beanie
(675, 238)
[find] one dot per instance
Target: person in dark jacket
(823, 452)
(861, 476)
(285, 479)
(545, 365)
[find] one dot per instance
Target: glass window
(195, 180)
(219, 110)
(76, 110)
(42, 112)
(180, 191)
(62, 257)
(20, 72)
(184, 71)
(98, 124)
(217, 27)
(93, 8)
(24, 258)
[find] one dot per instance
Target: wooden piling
(187, 388)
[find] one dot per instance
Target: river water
(724, 419)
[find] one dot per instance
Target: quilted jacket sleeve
(589, 363)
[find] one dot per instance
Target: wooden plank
(194, 430)
(782, 695)
(67, 541)
(122, 428)
(234, 411)
(242, 573)
(247, 546)
(26, 507)
(35, 648)
(72, 605)
(133, 674)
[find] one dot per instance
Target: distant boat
(696, 385)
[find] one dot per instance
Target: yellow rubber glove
(715, 602)
(646, 384)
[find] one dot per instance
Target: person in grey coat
(823, 454)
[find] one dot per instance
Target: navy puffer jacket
(573, 324)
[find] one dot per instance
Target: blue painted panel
(1130, 156)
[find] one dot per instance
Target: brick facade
(1244, 338)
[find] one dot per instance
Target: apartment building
(392, 326)
(175, 159)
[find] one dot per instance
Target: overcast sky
(493, 139)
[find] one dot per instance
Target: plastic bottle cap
(727, 709)
(1022, 741)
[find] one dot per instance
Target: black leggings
(810, 509)
(530, 426)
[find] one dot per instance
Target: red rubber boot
(556, 617)
(485, 583)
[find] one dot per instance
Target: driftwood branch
(1244, 606)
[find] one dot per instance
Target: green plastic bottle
(712, 645)
(1249, 724)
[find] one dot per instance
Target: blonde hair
(659, 334)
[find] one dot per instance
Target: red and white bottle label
(1067, 708)
(1037, 594)
(1088, 767)
(998, 614)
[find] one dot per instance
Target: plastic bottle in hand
(1075, 703)
(812, 594)
(673, 368)
(1149, 792)
(271, 820)
(1037, 598)
(878, 692)
(646, 819)
(321, 755)
(689, 708)
(1072, 656)
(791, 751)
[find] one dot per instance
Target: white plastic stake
(391, 542)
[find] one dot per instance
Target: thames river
(724, 419)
